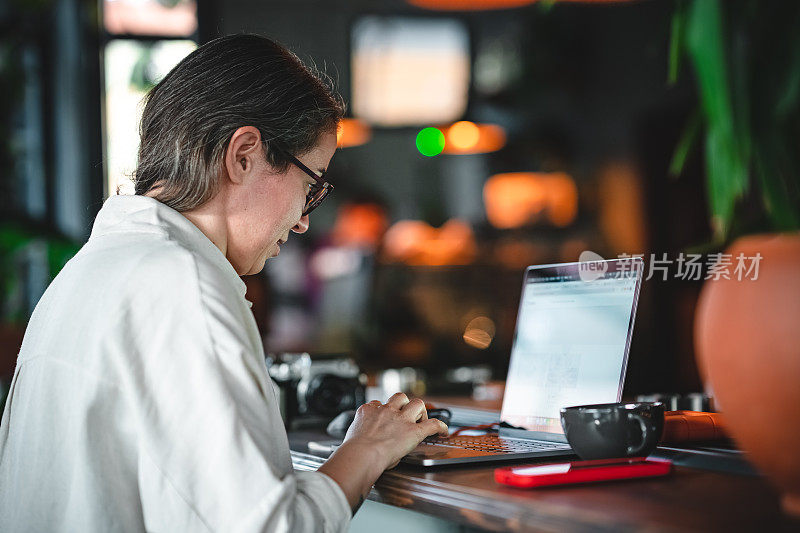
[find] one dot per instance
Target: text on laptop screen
(570, 346)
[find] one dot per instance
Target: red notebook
(546, 475)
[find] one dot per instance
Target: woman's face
(267, 207)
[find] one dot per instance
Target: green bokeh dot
(430, 142)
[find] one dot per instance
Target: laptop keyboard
(493, 443)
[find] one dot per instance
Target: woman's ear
(241, 155)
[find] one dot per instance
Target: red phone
(550, 474)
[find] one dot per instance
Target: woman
(141, 399)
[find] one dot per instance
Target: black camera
(313, 391)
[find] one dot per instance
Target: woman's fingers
(398, 401)
(393, 428)
(434, 426)
(415, 409)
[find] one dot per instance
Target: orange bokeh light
(621, 204)
(466, 137)
(515, 199)
(416, 243)
(463, 135)
(479, 332)
(352, 132)
(360, 225)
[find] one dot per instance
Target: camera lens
(330, 395)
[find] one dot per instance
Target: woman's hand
(378, 438)
(394, 428)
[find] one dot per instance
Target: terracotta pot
(747, 335)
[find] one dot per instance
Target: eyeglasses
(318, 191)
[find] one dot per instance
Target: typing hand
(380, 435)
(393, 428)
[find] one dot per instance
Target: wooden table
(689, 499)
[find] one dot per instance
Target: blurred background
(482, 136)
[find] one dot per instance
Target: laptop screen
(571, 342)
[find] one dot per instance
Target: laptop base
(435, 455)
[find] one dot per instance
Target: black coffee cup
(606, 431)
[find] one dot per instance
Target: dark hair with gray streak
(230, 82)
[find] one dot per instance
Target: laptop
(570, 347)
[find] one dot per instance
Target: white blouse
(141, 399)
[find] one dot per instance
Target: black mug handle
(633, 451)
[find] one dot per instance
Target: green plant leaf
(58, 253)
(12, 237)
(726, 167)
(677, 36)
(722, 180)
(685, 144)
